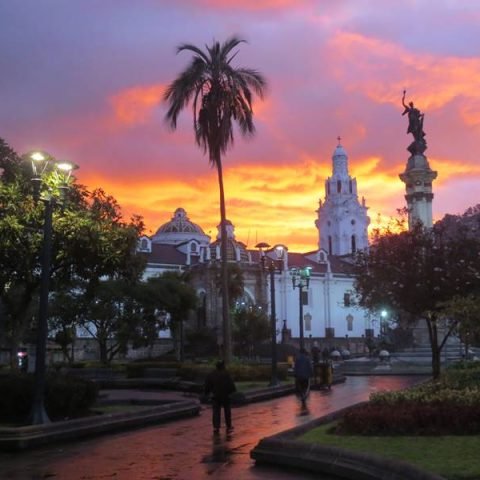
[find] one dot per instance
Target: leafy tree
(171, 293)
(221, 95)
(113, 316)
(466, 312)
(65, 315)
(202, 341)
(415, 272)
(251, 327)
(20, 244)
(90, 242)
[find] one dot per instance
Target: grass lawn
(452, 457)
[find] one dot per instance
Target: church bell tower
(342, 221)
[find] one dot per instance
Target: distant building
(328, 312)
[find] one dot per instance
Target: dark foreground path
(187, 449)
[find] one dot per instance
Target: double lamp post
(272, 265)
(50, 180)
(300, 280)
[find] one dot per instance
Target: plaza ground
(187, 449)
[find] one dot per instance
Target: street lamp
(51, 192)
(300, 280)
(383, 322)
(271, 266)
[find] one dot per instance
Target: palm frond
(221, 95)
(192, 48)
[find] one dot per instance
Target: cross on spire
(339, 138)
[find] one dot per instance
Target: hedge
(65, 396)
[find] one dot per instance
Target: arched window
(350, 186)
(339, 186)
(354, 244)
(330, 250)
(193, 247)
(144, 244)
(349, 322)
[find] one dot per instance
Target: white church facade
(328, 315)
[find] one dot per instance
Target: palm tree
(221, 95)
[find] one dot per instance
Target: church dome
(180, 229)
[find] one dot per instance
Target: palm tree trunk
(227, 330)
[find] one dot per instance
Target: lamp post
(271, 266)
(383, 323)
(52, 193)
(300, 280)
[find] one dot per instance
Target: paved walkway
(186, 449)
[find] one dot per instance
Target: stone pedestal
(418, 178)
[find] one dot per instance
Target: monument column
(418, 176)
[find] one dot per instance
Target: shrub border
(283, 449)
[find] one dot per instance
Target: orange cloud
(448, 168)
(265, 203)
(436, 79)
(134, 105)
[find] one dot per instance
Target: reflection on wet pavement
(187, 449)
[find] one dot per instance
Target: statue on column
(415, 127)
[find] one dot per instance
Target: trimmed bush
(68, 396)
(65, 396)
(255, 372)
(449, 406)
(196, 372)
(411, 419)
(137, 369)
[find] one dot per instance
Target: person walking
(315, 352)
(303, 371)
(220, 385)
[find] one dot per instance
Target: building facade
(342, 221)
(328, 313)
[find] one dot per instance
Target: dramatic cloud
(135, 105)
(85, 81)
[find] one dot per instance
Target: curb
(282, 449)
(32, 436)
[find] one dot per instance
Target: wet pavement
(187, 449)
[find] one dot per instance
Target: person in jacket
(220, 385)
(303, 371)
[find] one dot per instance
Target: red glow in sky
(84, 80)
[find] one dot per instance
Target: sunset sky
(84, 80)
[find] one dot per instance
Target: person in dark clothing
(303, 371)
(220, 385)
(315, 352)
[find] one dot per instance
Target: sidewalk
(186, 449)
(165, 405)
